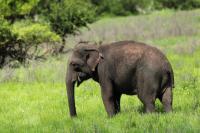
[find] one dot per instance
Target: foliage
(180, 4)
(67, 16)
(8, 40)
(125, 7)
(17, 9)
(34, 33)
(138, 6)
(28, 24)
(20, 40)
(109, 7)
(6, 36)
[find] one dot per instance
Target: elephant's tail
(171, 78)
(169, 83)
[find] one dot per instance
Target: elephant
(124, 67)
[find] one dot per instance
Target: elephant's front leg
(117, 102)
(108, 98)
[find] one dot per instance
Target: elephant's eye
(76, 66)
(77, 69)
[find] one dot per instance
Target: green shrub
(7, 42)
(179, 4)
(21, 41)
(29, 27)
(138, 6)
(34, 33)
(112, 7)
(125, 7)
(68, 15)
(6, 36)
(17, 9)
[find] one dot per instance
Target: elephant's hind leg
(148, 102)
(147, 90)
(147, 95)
(166, 99)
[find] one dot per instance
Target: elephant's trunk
(70, 82)
(71, 99)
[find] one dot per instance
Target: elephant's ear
(93, 57)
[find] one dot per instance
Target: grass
(158, 25)
(33, 98)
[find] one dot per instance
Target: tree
(30, 29)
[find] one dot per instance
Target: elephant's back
(125, 57)
(123, 49)
(131, 52)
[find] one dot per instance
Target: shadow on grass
(141, 110)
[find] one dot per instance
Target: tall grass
(33, 98)
(159, 25)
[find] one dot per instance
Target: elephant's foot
(149, 108)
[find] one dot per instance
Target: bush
(17, 9)
(112, 7)
(138, 6)
(22, 41)
(8, 40)
(34, 28)
(125, 7)
(68, 15)
(179, 4)
(34, 33)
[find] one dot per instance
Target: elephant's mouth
(81, 77)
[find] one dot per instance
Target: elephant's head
(82, 65)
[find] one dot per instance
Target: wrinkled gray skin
(125, 67)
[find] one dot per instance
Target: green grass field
(33, 98)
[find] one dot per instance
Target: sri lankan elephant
(125, 67)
